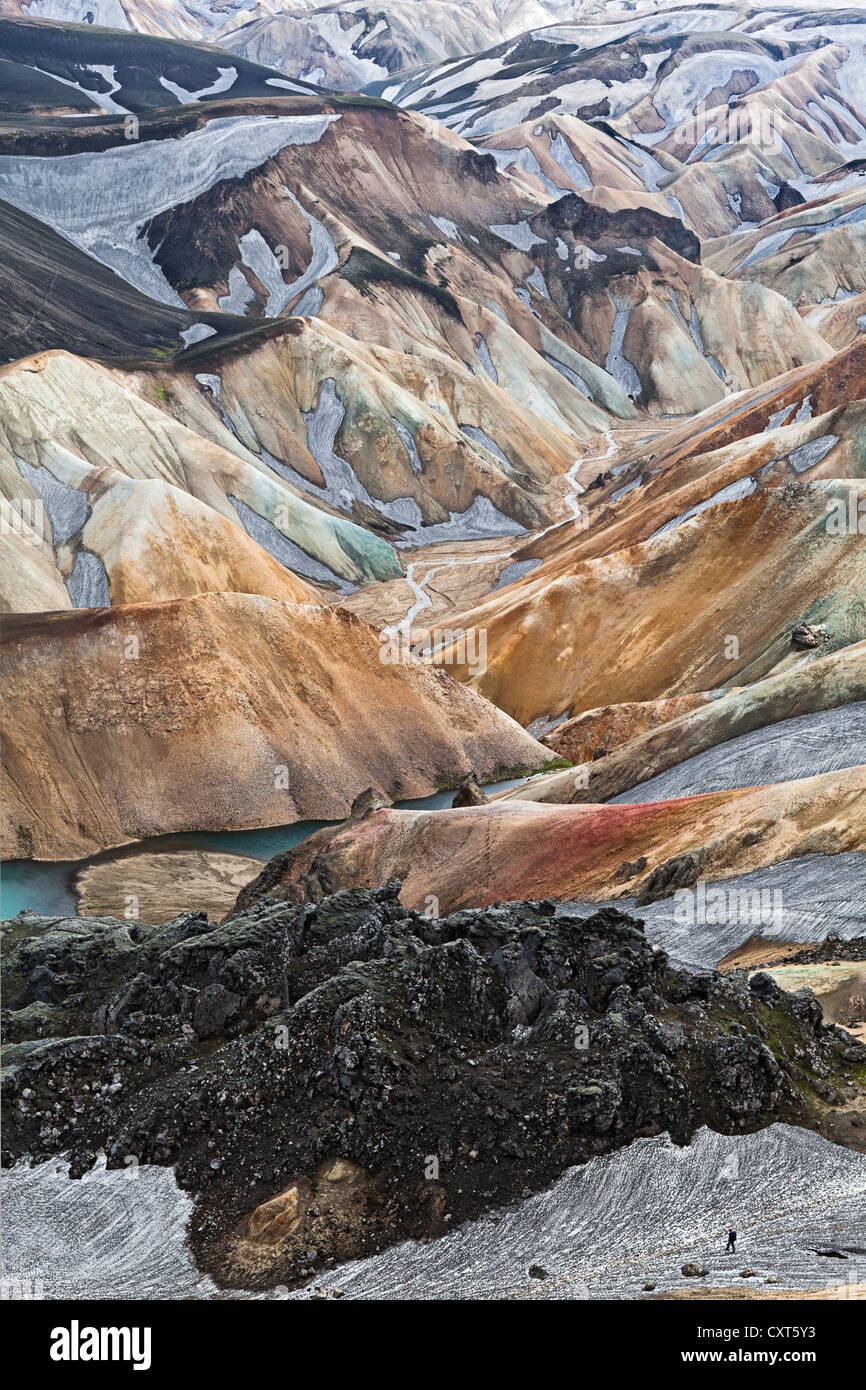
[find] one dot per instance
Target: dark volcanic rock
(469, 792)
(833, 948)
(330, 1078)
(592, 224)
(788, 197)
(808, 635)
(765, 987)
(682, 871)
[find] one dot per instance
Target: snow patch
(518, 234)
(196, 333)
(808, 455)
(227, 78)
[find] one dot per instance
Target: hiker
(732, 1241)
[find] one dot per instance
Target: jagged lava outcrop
(300, 1068)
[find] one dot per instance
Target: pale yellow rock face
(156, 543)
(754, 333)
(278, 1218)
(750, 331)
(840, 986)
(94, 428)
(323, 1209)
(29, 581)
(268, 391)
(837, 323)
(153, 887)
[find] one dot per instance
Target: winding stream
(419, 586)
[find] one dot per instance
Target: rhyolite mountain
(307, 348)
(387, 410)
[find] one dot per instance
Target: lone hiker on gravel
(732, 1241)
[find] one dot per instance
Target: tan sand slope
(223, 711)
(645, 739)
(274, 395)
(739, 434)
(711, 602)
(840, 323)
(154, 542)
(156, 887)
(598, 732)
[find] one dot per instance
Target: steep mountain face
(348, 46)
(341, 46)
(812, 254)
(660, 68)
(726, 113)
(674, 335)
(80, 443)
(643, 637)
(558, 153)
(354, 332)
(143, 540)
(56, 296)
(627, 744)
(154, 694)
(450, 447)
(496, 341)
